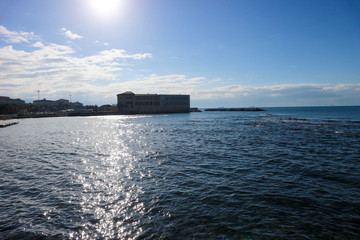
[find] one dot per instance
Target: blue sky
(223, 53)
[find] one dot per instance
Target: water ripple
(232, 176)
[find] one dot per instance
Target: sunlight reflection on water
(110, 196)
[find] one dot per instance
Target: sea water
(286, 173)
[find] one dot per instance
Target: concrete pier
(7, 123)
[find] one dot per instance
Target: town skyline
(232, 53)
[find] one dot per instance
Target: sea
(284, 173)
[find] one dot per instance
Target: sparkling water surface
(286, 173)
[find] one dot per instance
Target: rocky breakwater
(235, 109)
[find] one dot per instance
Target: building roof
(127, 93)
(149, 95)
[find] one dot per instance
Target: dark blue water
(287, 173)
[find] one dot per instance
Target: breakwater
(235, 109)
(7, 123)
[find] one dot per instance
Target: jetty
(235, 109)
(7, 123)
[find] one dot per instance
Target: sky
(224, 53)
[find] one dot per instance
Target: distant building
(129, 102)
(8, 100)
(61, 104)
(46, 103)
(76, 105)
(107, 108)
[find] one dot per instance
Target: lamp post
(38, 100)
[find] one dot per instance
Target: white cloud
(38, 45)
(96, 79)
(69, 34)
(283, 95)
(107, 56)
(16, 37)
(54, 69)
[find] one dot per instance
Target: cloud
(275, 36)
(55, 69)
(205, 95)
(283, 95)
(38, 45)
(69, 34)
(16, 37)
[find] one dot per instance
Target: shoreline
(78, 114)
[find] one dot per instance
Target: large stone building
(129, 102)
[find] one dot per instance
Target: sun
(106, 8)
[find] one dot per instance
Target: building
(76, 105)
(58, 105)
(44, 102)
(8, 100)
(107, 108)
(129, 102)
(63, 102)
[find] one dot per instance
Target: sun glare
(106, 8)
